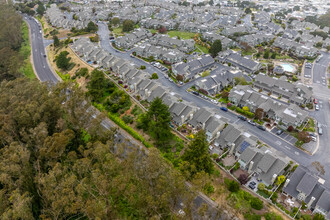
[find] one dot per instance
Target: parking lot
(285, 136)
(308, 72)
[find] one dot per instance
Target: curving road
(269, 138)
(40, 61)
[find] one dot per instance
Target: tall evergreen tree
(216, 47)
(197, 155)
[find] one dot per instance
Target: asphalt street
(43, 71)
(280, 144)
(44, 74)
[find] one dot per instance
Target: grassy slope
(25, 51)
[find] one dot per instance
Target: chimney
(203, 125)
(309, 204)
(286, 182)
(250, 167)
(218, 134)
(191, 116)
(146, 92)
(134, 87)
(274, 178)
(232, 147)
(182, 119)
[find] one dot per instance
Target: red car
(315, 101)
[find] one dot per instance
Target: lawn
(118, 31)
(201, 48)
(25, 52)
(182, 35)
(153, 31)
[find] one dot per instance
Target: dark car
(279, 132)
(242, 117)
(224, 109)
(261, 127)
(253, 183)
(195, 93)
(252, 186)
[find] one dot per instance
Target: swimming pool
(288, 67)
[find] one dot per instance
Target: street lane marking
(297, 153)
(278, 142)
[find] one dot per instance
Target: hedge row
(246, 113)
(124, 126)
(130, 130)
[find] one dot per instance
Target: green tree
(318, 216)
(63, 61)
(280, 180)
(266, 54)
(41, 9)
(215, 48)
(248, 11)
(91, 27)
(157, 122)
(98, 85)
(56, 41)
(128, 25)
(273, 56)
(261, 186)
(154, 76)
(197, 155)
(256, 203)
(115, 21)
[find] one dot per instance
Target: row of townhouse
(266, 165)
(193, 67)
(160, 53)
(162, 40)
(283, 114)
(307, 187)
(232, 30)
(297, 93)
(255, 39)
(217, 81)
(92, 53)
(235, 59)
(57, 19)
(225, 41)
(299, 50)
(129, 40)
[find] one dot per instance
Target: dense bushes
(246, 113)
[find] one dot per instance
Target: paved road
(269, 138)
(322, 93)
(43, 71)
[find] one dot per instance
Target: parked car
(253, 183)
(242, 117)
(252, 186)
(261, 127)
(317, 107)
(313, 139)
(315, 101)
(195, 93)
(224, 109)
(320, 131)
(311, 134)
(279, 132)
(251, 122)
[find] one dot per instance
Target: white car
(317, 107)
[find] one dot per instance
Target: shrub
(256, 203)
(127, 119)
(232, 185)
